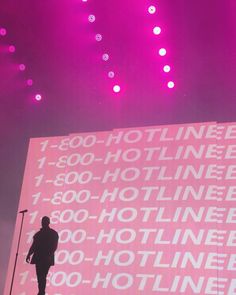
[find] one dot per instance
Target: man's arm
(31, 251)
(55, 242)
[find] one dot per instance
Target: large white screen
(138, 210)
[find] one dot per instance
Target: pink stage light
(116, 88)
(166, 68)
(111, 74)
(22, 67)
(152, 9)
(156, 30)
(171, 84)
(91, 18)
(98, 37)
(3, 32)
(84, 0)
(29, 82)
(38, 97)
(105, 56)
(162, 52)
(12, 48)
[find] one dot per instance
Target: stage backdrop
(148, 210)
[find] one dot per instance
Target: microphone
(23, 211)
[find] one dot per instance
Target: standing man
(43, 248)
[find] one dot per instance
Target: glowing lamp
(171, 84)
(111, 74)
(98, 37)
(38, 97)
(166, 68)
(91, 18)
(3, 31)
(156, 30)
(152, 9)
(12, 48)
(22, 67)
(29, 82)
(105, 57)
(116, 88)
(162, 52)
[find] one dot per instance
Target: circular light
(38, 97)
(171, 84)
(84, 0)
(105, 57)
(152, 9)
(98, 37)
(116, 88)
(22, 67)
(12, 48)
(91, 18)
(166, 69)
(111, 74)
(29, 82)
(156, 30)
(3, 31)
(162, 52)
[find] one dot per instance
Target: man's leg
(42, 271)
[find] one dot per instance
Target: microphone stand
(18, 246)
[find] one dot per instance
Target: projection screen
(148, 210)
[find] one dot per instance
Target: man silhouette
(43, 247)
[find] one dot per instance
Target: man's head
(45, 222)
